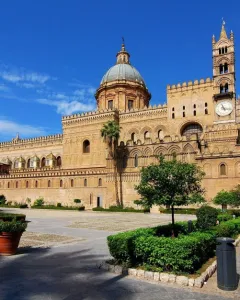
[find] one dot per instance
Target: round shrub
(59, 204)
(39, 202)
(77, 201)
(206, 217)
(2, 199)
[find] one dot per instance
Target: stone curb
(166, 277)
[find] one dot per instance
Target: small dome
(123, 72)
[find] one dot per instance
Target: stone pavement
(71, 271)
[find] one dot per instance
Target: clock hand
(223, 107)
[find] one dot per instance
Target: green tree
(172, 183)
(236, 199)
(110, 133)
(224, 198)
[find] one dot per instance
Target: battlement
(188, 85)
(88, 114)
(18, 141)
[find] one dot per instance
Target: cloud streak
(8, 129)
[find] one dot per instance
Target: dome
(123, 72)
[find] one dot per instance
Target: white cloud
(67, 107)
(10, 128)
(4, 88)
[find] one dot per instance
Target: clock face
(224, 108)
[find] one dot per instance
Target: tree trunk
(173, 221)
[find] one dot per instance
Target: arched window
(133, 136)
(183, 114)
(220, 51)
(49, 183)
(206, 105)
(221, 89)
(8, 185)
(43, 162)
(85, 182)
(36, 184)
(223, 170)
(183, 107)
(130, 104)
(194, 113)
(226, 49)
(27, 184)
(86, 146)
(136, 161)
(160, 134)
(206, 111)
(100, 182)
(16, 184)
(110, 104)
(59, 161)
(194, 105)
(173, 109)
(226, 87)
(221, 69)
(173, 116)
(190, 129)
(28, 163)
(72, 183)
(225, 68)
(146, 134)
(61, 183)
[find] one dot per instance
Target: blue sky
(53, 53)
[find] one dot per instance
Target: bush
(2, 199)
(235, 212)
(206, 217)
(230, 228)
(39, 202)
(224, 198)
(183, 254)
(10, 217)
(81, 208)
(59, 204)
(183, 211)
(77, 201)
(23, 206)
(13, 226)
(121, 209)
(224, 217)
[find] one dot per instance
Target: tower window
(86, 146)
(206, 111)
(206, 105)
(130, 104)
(173, 116)
(194, 113)
(220, 51)
(173, 109)
(183, 107)
(223, 170)
(221, 69)
(110, 104)
(136, 161)
(183, 114)
(225, 68)
(133, 136)
(194, 106)
(85, 182)
(226, 49)
(226, 87)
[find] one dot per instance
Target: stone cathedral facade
(200, 123)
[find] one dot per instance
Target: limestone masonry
(200, 123)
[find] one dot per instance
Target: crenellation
(188, 85)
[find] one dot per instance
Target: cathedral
(199, 124)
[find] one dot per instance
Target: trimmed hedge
(13, 226)
(10, 217)
(224, 217)
(59, 207)
(120, 209)
(155, 247)
(182, 211)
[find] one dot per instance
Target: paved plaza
(61, 253)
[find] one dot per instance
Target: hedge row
(10, 217)
(154, 246)
(58, 207)
(120, 209)
(193, 211)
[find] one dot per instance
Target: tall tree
(172, 183)
(110, 133)
(226, 198)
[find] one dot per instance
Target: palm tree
(110, 133)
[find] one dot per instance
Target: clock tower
(224, 77)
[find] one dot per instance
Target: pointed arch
(147, 152)
(188, 148)
(134, 152)
(174, 149)
(160, 151)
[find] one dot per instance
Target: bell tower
(224, 77)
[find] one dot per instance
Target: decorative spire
(223, 34)
(213, 39)
(231, 35)
(123, 55)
